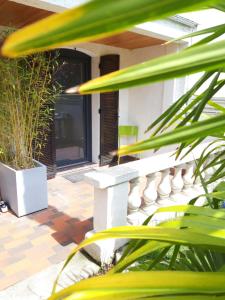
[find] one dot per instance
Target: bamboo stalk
(24, 114)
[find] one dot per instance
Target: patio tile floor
(34, 242)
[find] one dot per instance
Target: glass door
(72, 112)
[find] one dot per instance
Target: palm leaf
(194, 210)
(173, 110)
(204, 233)
(201, 58)
(148, 285)
(185, 134)
(95, 19)
(210, 30)
(197, 223)
(220, 6)
(216, 106)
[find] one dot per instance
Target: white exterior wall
(95, 51)
(137, 106)
(147, 102)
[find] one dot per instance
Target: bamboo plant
(26, 98)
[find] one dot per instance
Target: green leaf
(220, 6)
(175, 107)
(95, 19)
(216, 106)
(201, 58)
(165, 285)
(206, 239)
(208, 94)
(209, 30)
(209, 38)
(205, 155)
(148, 247)
(199, 221)
(174, 256)
(179, 135)
(195, 210)
(202, 233)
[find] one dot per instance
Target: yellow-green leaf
(95, 19)
(199, 58)
(165, 285)
(197, 130)
(201, 238)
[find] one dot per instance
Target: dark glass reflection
(69, 130)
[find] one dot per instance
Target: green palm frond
(199, 227)
(95, 19)
(201, 129)
(148, 285)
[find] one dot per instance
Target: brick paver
(32, 243)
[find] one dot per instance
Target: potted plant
(26, 97)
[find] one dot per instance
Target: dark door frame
(86, 60)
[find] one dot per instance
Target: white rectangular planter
(24, 190)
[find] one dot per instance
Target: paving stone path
(39, 286)
(35, 242)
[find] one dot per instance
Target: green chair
(127, 131)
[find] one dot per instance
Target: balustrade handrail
(105, 177)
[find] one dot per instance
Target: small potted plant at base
(26, 97)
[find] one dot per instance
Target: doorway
(72, 112)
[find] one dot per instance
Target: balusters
(177, 184)
(150, 193)
(199, 190)
(189, 180)
(164, 189)
(198, 184)
(135, 215)
(134, 199)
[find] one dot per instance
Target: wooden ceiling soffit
(18, 15)
(130, 40)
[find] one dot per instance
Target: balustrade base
(136, 218)
(180, 198)
(163, 202)
(149, 210)
(103, 251)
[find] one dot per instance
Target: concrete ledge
(104, 178)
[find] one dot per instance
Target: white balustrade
(177, 185)
(164, 189)
(150, 193)
(177, 182)
(120, 198)
(188, 178)
(134, 198)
